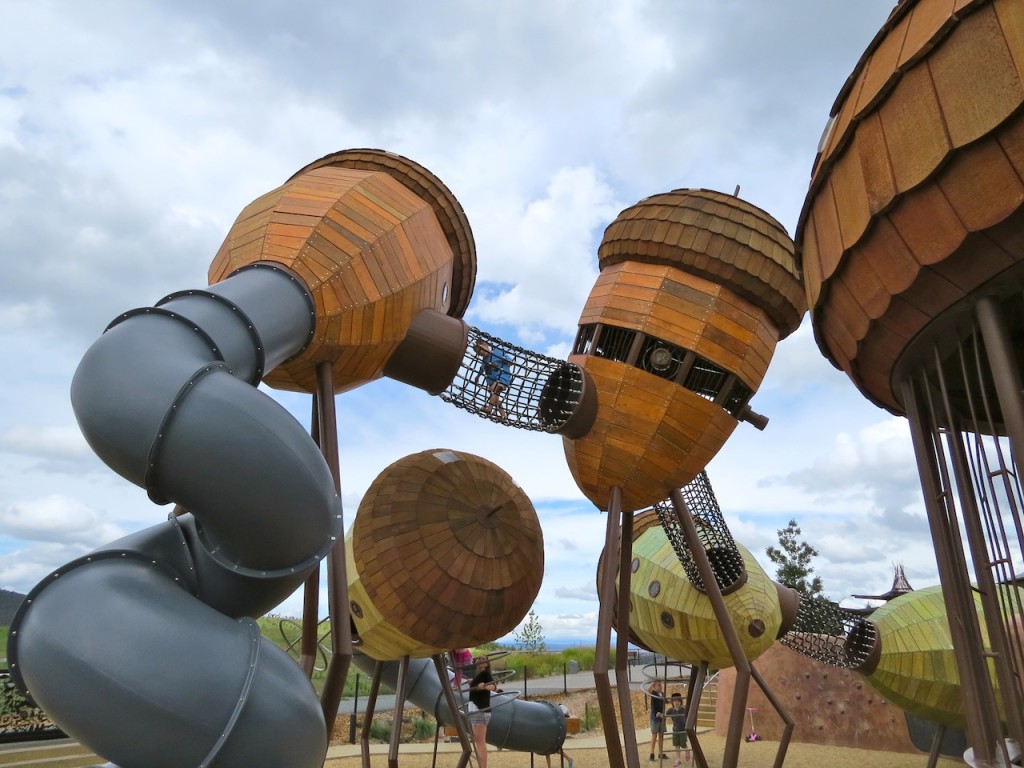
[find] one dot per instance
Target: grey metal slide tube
(516, 724)
(140, 650)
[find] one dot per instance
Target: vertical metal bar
(787, 733)
(355, 711)
(337, 581)
(731, 754)
(933, 755)
(396, 722)
(310, 617)
(604, 634)
(956, 591)
(311, 588)
(1006, 374)
(988, 590)
(371, 703)
(453, 708)
(693, 697)
(622, 639)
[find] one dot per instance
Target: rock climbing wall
(830, 705)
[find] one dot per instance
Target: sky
(133, 133)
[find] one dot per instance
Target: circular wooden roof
(914, 205)
(431, 189)
(718, 237)
(448, 548)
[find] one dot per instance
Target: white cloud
(56, 519)
(130, 140)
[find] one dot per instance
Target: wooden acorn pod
(696, 289)
(446, 551)
(914, 207)
(377, 239)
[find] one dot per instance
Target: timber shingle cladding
(376, 239)
(915, 197)
(446, 551)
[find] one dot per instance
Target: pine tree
(793, 558)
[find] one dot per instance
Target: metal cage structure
(965, 403)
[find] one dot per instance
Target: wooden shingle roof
(426, 185)
(915, 199)
(718, 237)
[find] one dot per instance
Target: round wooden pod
(695, 291)
(376, 238)
(446, 551)
(669, 615)
(721, 238)
(914, 207)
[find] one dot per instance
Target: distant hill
(9, 602)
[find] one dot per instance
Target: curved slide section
(523, 726)
(140, 650)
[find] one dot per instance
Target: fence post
(526, 677)
(565, 679)
(352, 717)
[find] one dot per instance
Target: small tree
(530, 637)
(793, 558)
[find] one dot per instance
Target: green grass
(3, 643)
(547, 663)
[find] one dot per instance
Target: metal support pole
(371, 703)
(693, 696)
(396, 723)
(453, 707)
(337, 581)
(955, 581)
(1006, 374)
(604, 634)
(311, 588)
(787, 733)
(622, 639)
(731, 754)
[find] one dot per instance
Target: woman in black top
(480, 688)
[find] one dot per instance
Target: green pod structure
(670, 615)
(912, 662)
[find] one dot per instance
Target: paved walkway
(538, 686)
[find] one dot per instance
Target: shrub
(423, 728)
(380, 730)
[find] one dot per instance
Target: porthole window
(667, 621)
(357, 611)
(635, 565)
(654, 589)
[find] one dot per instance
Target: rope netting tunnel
(822, 630)
(713, 534)
(833, 635)
(514, 386)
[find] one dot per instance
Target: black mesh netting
(713, 534)
(514, 386)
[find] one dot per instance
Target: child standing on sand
(677, 713)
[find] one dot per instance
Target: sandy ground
(588, 750)
(760, 754)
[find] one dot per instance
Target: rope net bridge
(514, 386)
(822, 629)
